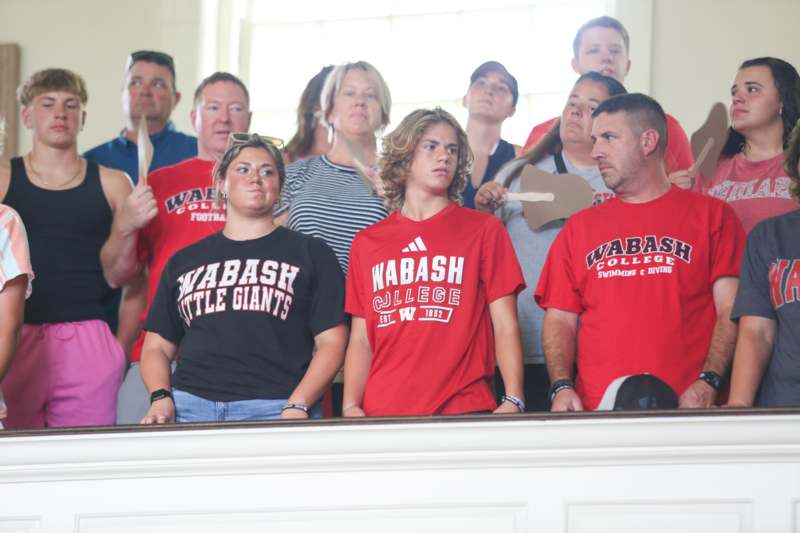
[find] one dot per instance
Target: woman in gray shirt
(566, 148)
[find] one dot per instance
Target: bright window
(426, 51)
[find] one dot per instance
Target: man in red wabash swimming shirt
(174, 209)
(431, 288)
(652, 273)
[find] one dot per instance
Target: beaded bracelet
(513, 399)
(303, 407)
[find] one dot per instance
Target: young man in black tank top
(68, 365)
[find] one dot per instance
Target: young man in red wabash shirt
(603, 45)
(431, 288)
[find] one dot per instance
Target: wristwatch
(559, 385)
(712, 378)
(160, 394)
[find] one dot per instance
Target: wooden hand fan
(569, 194)
(144, 150)
(708, 140)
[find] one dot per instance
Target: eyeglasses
(244, 138)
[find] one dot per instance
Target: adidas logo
(416, 246)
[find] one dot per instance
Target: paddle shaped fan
(707, 141)
(144, 150)
(561, 196)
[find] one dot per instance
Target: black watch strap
(712, 378)
(160, 394)
(559, 385)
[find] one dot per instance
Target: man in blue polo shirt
(149, 91)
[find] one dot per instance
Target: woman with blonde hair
(327, 196)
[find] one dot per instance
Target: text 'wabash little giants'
(259, 285)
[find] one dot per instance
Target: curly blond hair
(400, 146)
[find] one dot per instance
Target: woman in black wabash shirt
(244, 309)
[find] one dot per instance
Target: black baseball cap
(638, 392)
(496, 66)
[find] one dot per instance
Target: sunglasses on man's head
(243, 138)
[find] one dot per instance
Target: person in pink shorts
(765, 105)
(68, 365)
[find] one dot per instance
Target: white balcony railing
(720, 471)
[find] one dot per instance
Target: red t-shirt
(641, 277)
(424, 289)
(187, 212)
(755, 189)
(677, 157)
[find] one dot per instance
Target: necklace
(55, 185)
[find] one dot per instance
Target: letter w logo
(407, 313)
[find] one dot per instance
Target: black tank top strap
(561, 167)
(17, 166)
(93, 174)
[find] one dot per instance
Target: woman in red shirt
(765, 104)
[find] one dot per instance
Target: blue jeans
(191, 408)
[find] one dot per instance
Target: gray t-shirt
(769, 287)
(532, 247)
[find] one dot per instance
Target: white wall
(699, 44)
(93, 38)
(696, 47)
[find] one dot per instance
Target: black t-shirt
(244, 314)
(769, 287)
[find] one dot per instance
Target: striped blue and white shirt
(329, 201)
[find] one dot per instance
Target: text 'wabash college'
(259, 285)
(638, 256)
(417, 288)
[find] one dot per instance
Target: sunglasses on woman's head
(243, 138)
